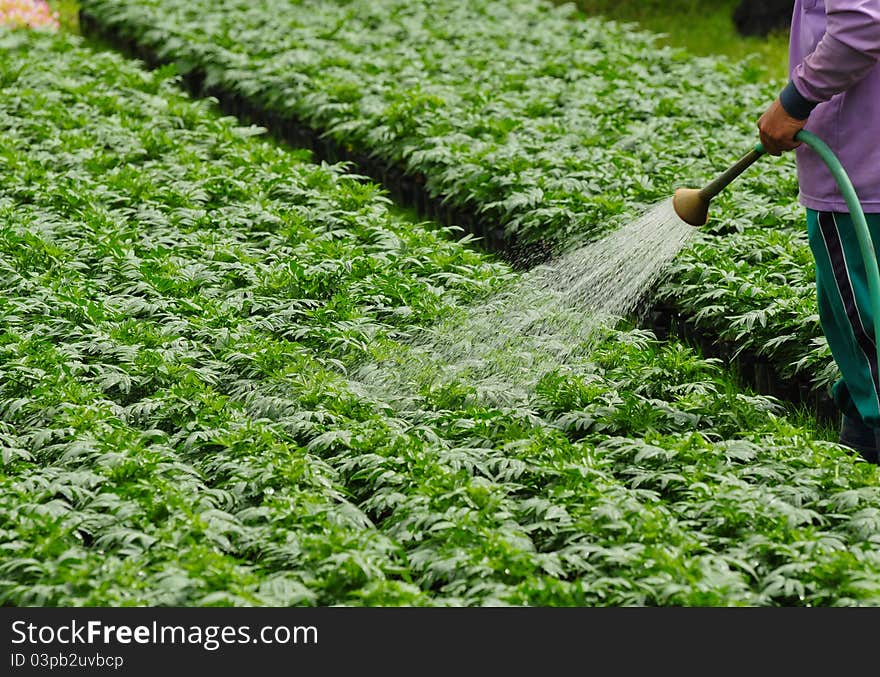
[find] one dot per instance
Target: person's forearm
(846, 53)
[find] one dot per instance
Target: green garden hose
(692, 206)
(866, 244)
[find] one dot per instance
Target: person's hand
(778, 128)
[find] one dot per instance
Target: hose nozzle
(692, 204)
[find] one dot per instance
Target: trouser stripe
(834, 246)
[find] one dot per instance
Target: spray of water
(548, 320)
(609, 277)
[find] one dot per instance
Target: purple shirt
(833, 61)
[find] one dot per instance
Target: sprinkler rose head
(692, 206)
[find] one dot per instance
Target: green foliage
(703, 27)
(183, 307)
(512, 107)
(68, 11)
(758, 292)
(555, 126)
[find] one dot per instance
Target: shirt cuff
(795, 104)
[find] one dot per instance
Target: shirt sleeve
(847, 52)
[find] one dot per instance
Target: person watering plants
(834, 91)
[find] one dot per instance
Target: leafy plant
(200, 402)
(554, 126)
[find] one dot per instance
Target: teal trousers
(845, 310)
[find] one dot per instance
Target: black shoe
(862, 438)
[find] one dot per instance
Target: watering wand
(692, 207)
(692, 204)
